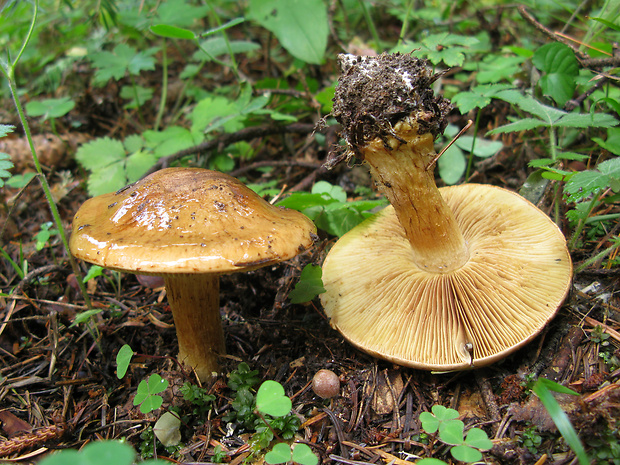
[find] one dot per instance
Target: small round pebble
(326, 384)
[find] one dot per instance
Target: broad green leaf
(556, 57)
(534, 186)
(115, 452)
(498, 68)
(172, 32)
(452, 165)
(123, 357)
(271, 399)
(280, 453)
(478, 438)
(429, 422)
(84, 316)
(168, 429)
(612, 142)
(214, 112)
(300, 25)
(560, 87)
(335, 192)
(108, 179)
(301, 201)
(309, 285)
(466, 454)
(430, 461)
(63, 457)
(303, 455)
(451, 432)
(50, 108)
(171, 140)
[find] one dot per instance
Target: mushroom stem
(200, 334)
(399, 167)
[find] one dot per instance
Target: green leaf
(271, 399)
(100, 452)
(451, 432)
(430, 461)
(482, 148)
(84, 316)
(168, 429)
(123, 357)
(100, 153)
(477, 438)
(303, 455)
(335, 192)
(146, 395)
(280, 453)
(556, 57)
(466, 454)
(217, 46)
(541, 389)
(63, 457)
(524, 124)
(223, 27)
(300, 25)
(171, 140)
(560, 66)
(612, 143)
(452, 165)
(430, 423)
(5, 164)
(50, 108)
(138, 95)
(6, 129)
(123, 59)
(309, 286)
(180, 13)
(172, 32)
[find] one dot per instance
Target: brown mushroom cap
(189, 225)
(187, 220)
(517, 276)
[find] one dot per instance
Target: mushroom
(189, 225)
(443, 279)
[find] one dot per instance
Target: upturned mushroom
(190, 226)
(443, 279)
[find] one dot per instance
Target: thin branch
(252, 132)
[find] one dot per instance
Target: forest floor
(58, 383)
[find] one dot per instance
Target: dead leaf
(13, 425)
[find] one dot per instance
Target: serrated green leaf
(107, 179)
(6, 129)
(524, 124)
(137, 164)
(310, 285)
(478, 97)
(300, 25)
(585, 120)
(583, 184)
(123, 59)
(100, 153)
